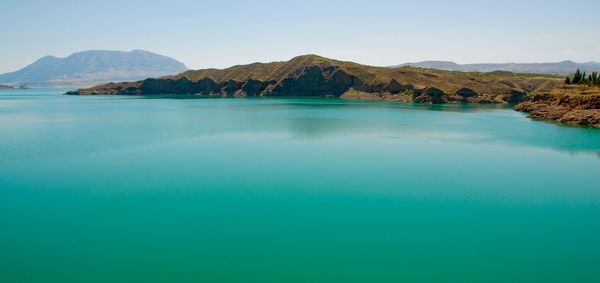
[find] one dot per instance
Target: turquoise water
(130, 189)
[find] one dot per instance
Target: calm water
(129, 189)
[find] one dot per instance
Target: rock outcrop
(580, 109)
(430, 95)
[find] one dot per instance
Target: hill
(93, 67)
(561, 68)
(312, 75)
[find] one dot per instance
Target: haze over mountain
(561, 68)
(94, 67)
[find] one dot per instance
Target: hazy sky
(223, 33)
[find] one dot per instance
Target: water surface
(134, 189)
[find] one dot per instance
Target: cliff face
(312, 75)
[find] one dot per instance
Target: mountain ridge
(562, 68)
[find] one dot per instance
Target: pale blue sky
(223, 33)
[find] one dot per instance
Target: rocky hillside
(568, 104)
(312, 75)
(93, 67)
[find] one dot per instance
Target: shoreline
(568, 109)
(315, 76)
(583, 112)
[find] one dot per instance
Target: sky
(218, 34)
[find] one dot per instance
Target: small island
(5, 86)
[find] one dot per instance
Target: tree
(577, 77)
(594, 79)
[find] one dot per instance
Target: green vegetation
(581, 79)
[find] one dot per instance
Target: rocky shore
(433, 95)
(571, 108)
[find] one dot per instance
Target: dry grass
(492, 83)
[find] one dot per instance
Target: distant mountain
(561, 68)
(94, 67)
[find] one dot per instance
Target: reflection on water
(31, 120)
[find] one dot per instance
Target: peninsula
(312, 75)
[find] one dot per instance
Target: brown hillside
(312, 75)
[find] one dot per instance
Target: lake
(163, 189)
